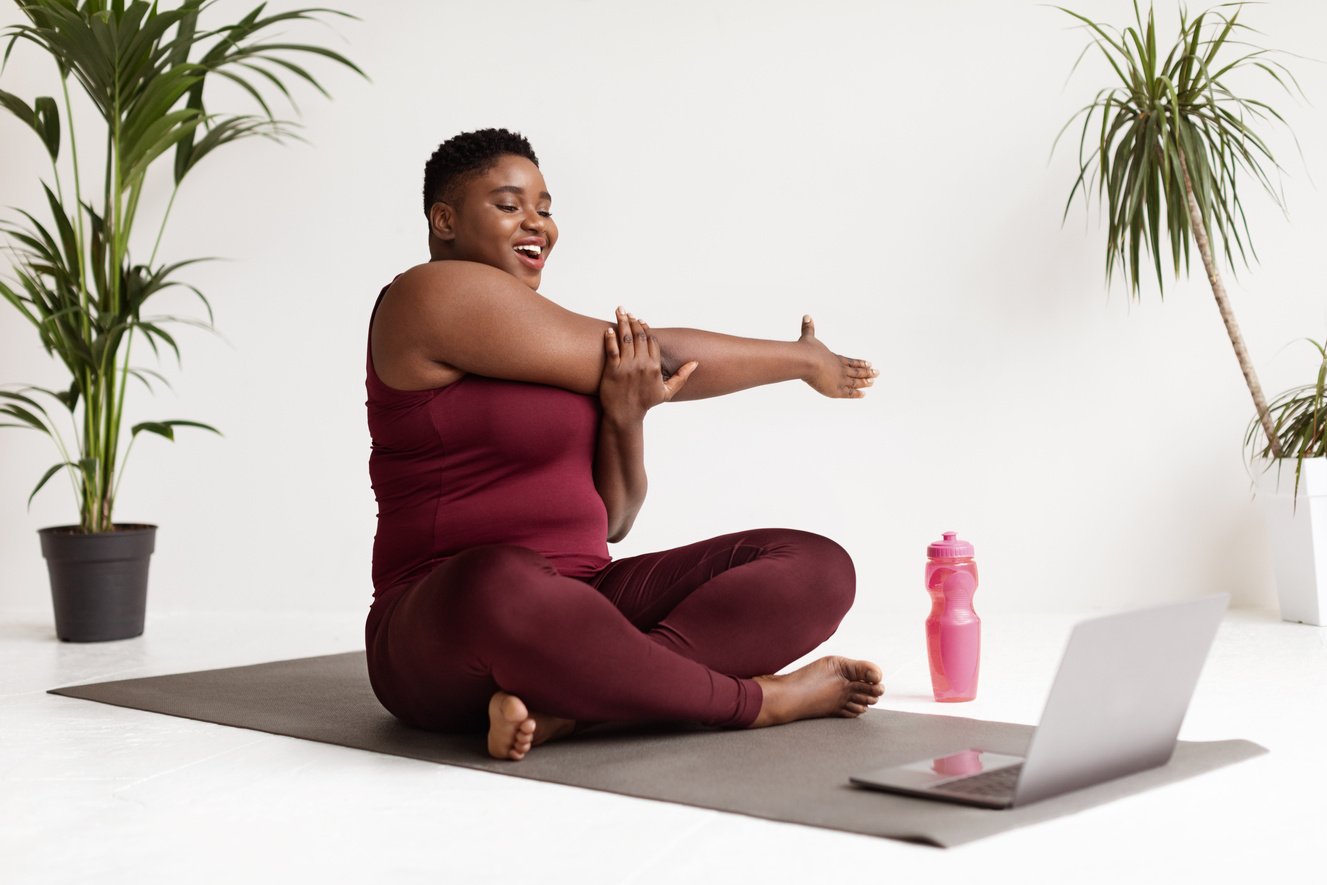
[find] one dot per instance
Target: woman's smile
(532, 251)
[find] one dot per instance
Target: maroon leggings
(667, 636)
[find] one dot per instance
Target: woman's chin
(527, 275)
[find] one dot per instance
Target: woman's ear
(441, 218)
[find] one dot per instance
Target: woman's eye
(514, 208)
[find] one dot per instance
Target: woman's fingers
(654, 351)
(859, 374)
(636, 342)
(638, 333)
(853, 388)
(610, 347)
(628, 342)
(674, 384)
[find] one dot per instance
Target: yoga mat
(796, 773)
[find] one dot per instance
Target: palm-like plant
(1172, 143)
(77, 282)
(1300, 421)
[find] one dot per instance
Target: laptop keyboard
(997, 782)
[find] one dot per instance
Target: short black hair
(463, 156)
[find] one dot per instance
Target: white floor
(93, 793)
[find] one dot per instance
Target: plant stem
(1227, 314)
(83, 297)
(78, 210)
(119, 247)
(152, 259)
(90, 408)
(117, 414)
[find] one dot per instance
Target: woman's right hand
(833, 375)
(633, 381)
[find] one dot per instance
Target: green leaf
(166, 428)
(158, 427)
(49, 473)
(153, 332)
(48, 124)
(19, 108)
(25, 416)
(142, 376)
(43, 118)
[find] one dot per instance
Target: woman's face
(503, 208)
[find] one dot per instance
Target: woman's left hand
(633, 381)
(834, 375)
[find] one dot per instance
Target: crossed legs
(495, 632)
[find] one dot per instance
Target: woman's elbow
(617, 534)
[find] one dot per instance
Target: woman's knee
(825, 565)
(499, 561)
(493, 581)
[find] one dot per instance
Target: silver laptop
(1123, 688)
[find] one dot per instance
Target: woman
(508, 448)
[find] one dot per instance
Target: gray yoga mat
(796, 773)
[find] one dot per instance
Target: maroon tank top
(482, 461)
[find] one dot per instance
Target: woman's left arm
(631, 385)
(619, 472)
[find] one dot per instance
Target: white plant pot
(1297, 531)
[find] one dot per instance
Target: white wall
(882, 166)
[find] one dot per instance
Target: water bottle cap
(949, 547)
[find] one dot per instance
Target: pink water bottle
(953, 630)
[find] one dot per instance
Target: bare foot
(831, 686)
(513, 730)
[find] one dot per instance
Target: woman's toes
(513, 708)
(874, 689)
(861, 671)
(867, 672)
(511, 727)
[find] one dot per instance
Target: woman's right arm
(479, 319)
(484, 321)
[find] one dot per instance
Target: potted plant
(1170, 142)
(76, 280)
(1295, 497)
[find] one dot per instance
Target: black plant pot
(98, 580)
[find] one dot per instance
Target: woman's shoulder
(479, 319)
(398, 356)
(431, 274)
(426, 297)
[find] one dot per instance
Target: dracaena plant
(1165, 146)
(1299, 422)
(75, 277)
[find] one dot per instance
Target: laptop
(1115, 708)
